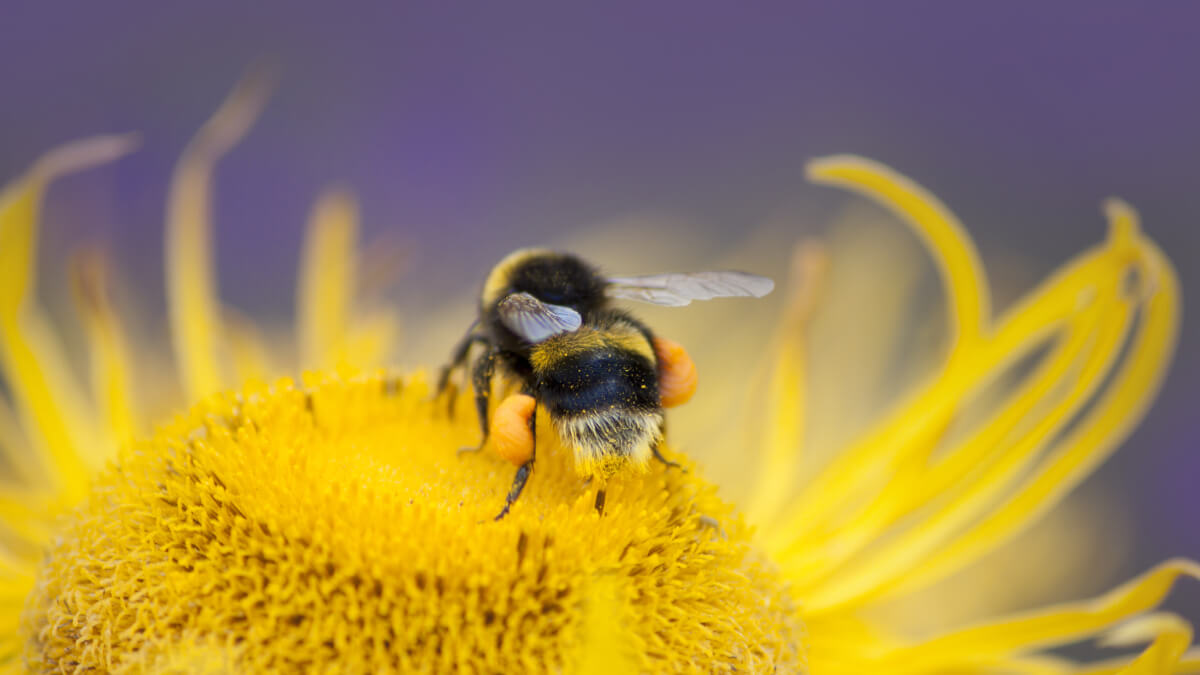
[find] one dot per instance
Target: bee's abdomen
(597, 380)
(601, 390)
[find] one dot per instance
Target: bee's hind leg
(518, 485)
(514, 446)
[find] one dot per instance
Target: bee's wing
(535, 320)
(676, 290)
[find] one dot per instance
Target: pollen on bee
(511, 429)
(676, 372)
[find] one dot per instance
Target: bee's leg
(518, 484)
(485, 367)
(523, 471)
(457, 360)
(659, 456)
(662, 430)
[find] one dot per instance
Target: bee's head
(554, 278)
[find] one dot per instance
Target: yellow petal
(956, 257)
(992, 642)
(1108, 421)
(863, 468)
(110, 368)
(984, 468)
(896, 478)
(24, 517)
(326, 290)
(15, 451)
(370, 339)
(785, 398)
(1169, 637)
(247, 350)
(909, 433)
(191, 288)
(50, 403)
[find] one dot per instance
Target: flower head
(307, 527)
(328, 524)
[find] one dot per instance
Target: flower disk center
(294, 528)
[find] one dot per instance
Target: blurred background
(649, 137)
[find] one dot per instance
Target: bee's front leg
(485, 367)
(457, 360)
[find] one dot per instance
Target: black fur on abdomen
(597, 380)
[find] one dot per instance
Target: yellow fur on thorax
(497, 280)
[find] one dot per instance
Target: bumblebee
(555, 343)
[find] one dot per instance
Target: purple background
(473, 131)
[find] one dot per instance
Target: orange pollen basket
(676, 373)
(510, 428)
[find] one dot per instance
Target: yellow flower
(328, 525)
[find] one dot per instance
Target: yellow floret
(332, 526)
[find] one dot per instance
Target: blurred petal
(1169, 637)
(248, 351)
(862, 468)
(326, 290)
(785, 397)
(110, 369)
(50, 403)
(370, 339)
(191, 288)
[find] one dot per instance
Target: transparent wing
(535, 320)
(676, 290)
